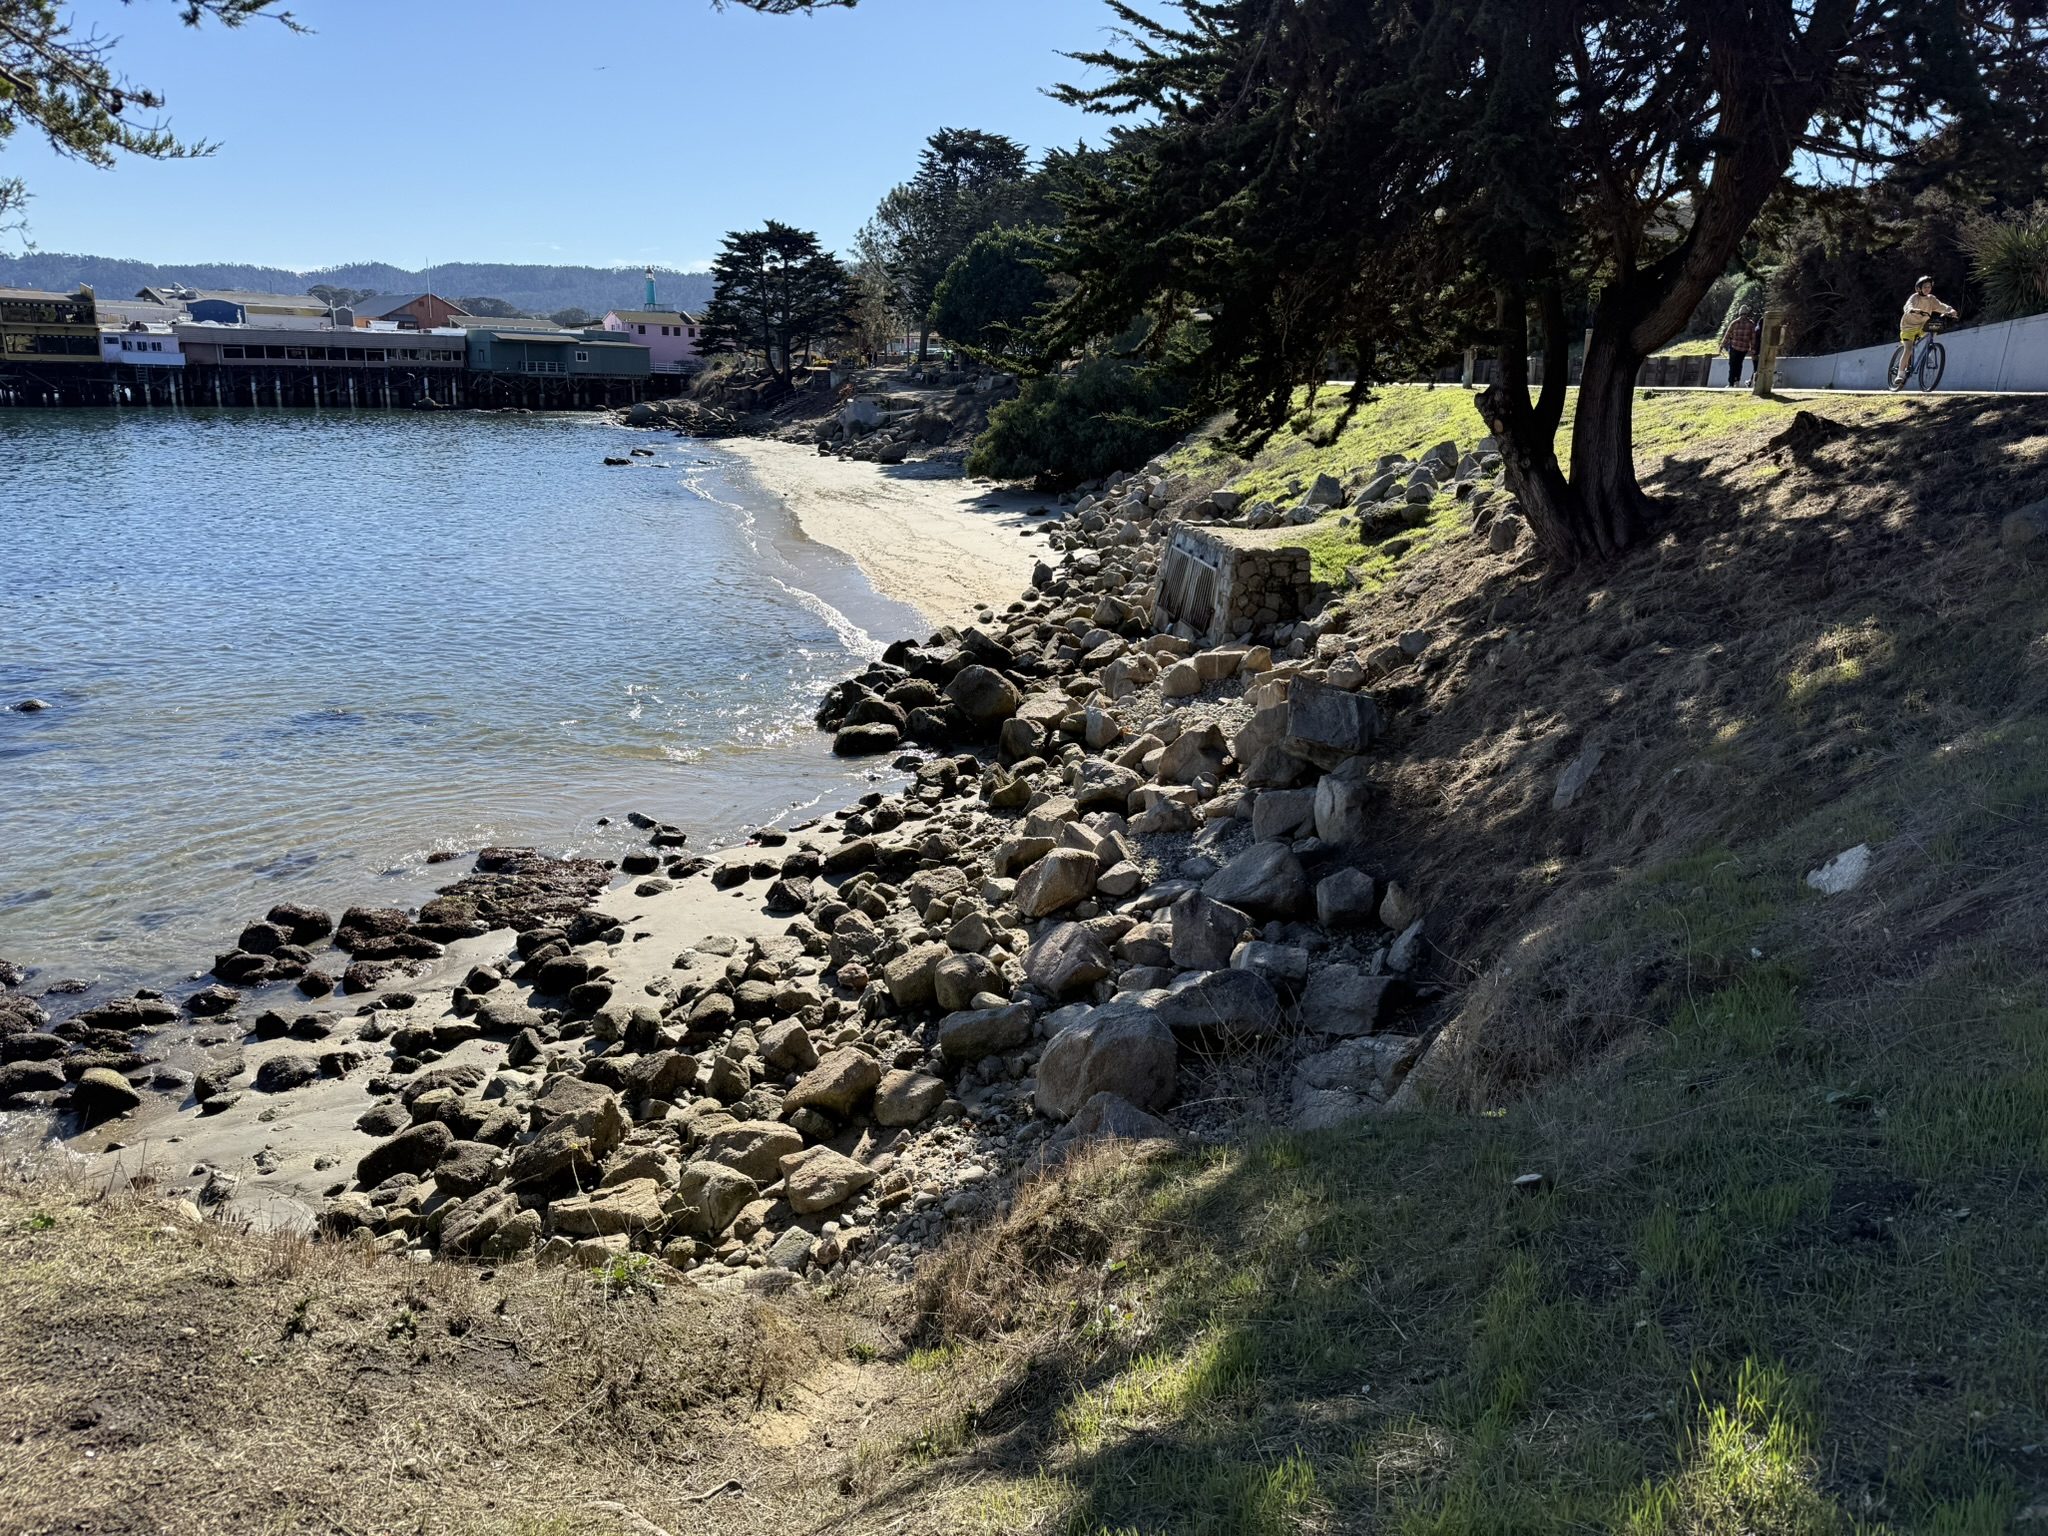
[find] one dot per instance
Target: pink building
(669, 335)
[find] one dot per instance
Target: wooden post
(1471, 364)
(1765, 378)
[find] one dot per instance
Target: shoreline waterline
(163, 803)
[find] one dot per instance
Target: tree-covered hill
(534, 289)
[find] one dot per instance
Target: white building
(141, 346)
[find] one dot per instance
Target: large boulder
(1343, 1000)
(962, 978)
(467, 1167)
(930, 885)
(305, 925)
(710, 1196)
(1283, 813)
(1258, 747)
(1283, 967)
(1220, 1008)
(984, 696)
(1057, 881)
(755, 1147)
(469, 1226)
(971, 1035)
(1106, 1116)
(1355, 1078)
(1122, 1048)
(835, 1084)
(907, 1098)
(1068, 959)
(1102, 785)
(1206, 932)
(1345, 899)
(820, 1178)
(634, 1206)
(787, 1047)
(101, 1093)
(1340, 801)
(1194, 754)
(19, 1078)
(1266, 877)
(281, 1074)
(912, 976)
(573, 1143)
(664, 1075)
(413, 1151)
(866, 740)
(1326, 725)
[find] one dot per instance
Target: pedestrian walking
(1739, 341)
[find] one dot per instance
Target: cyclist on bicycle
(1921, 306)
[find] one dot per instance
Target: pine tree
(778, 293)
(967, 181)
(1394, 179)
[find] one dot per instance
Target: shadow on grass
(1782, 1268)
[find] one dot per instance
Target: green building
(550, 354)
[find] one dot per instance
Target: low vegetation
(168, 1373)
(1723, 1213)
(1102, 416)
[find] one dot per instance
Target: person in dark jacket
(1739, 341)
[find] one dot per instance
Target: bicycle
(1927, 359)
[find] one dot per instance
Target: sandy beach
(940, 545)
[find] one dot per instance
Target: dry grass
(165, 1374)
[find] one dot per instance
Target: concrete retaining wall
(2012, 354)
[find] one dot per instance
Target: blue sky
(605, 131)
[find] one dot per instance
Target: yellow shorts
(1908, 338)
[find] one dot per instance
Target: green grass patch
(1786, 1272)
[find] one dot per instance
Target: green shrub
(991, 292)
(1104, 416)
(2009, 259)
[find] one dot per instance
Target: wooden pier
(337, 387)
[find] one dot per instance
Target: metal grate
(1188, 579)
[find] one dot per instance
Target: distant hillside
(533, 290)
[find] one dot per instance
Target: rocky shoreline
(1123, 890)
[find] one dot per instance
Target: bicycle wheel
(1931, 365)
(1891, 372)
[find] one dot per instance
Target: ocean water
(291, 654)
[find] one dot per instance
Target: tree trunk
(1613, 511)
(1599, 510)
(924, 343)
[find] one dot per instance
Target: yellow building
(38, 329)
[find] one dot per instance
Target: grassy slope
(1412, 419)
(1789, 1267)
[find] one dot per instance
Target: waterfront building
(537, 353)
(409, 311)
(114, 313)
(139, 345)
(669, 335)
(501, 323)
(233, 306)
(320, 344)
(41, 330)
